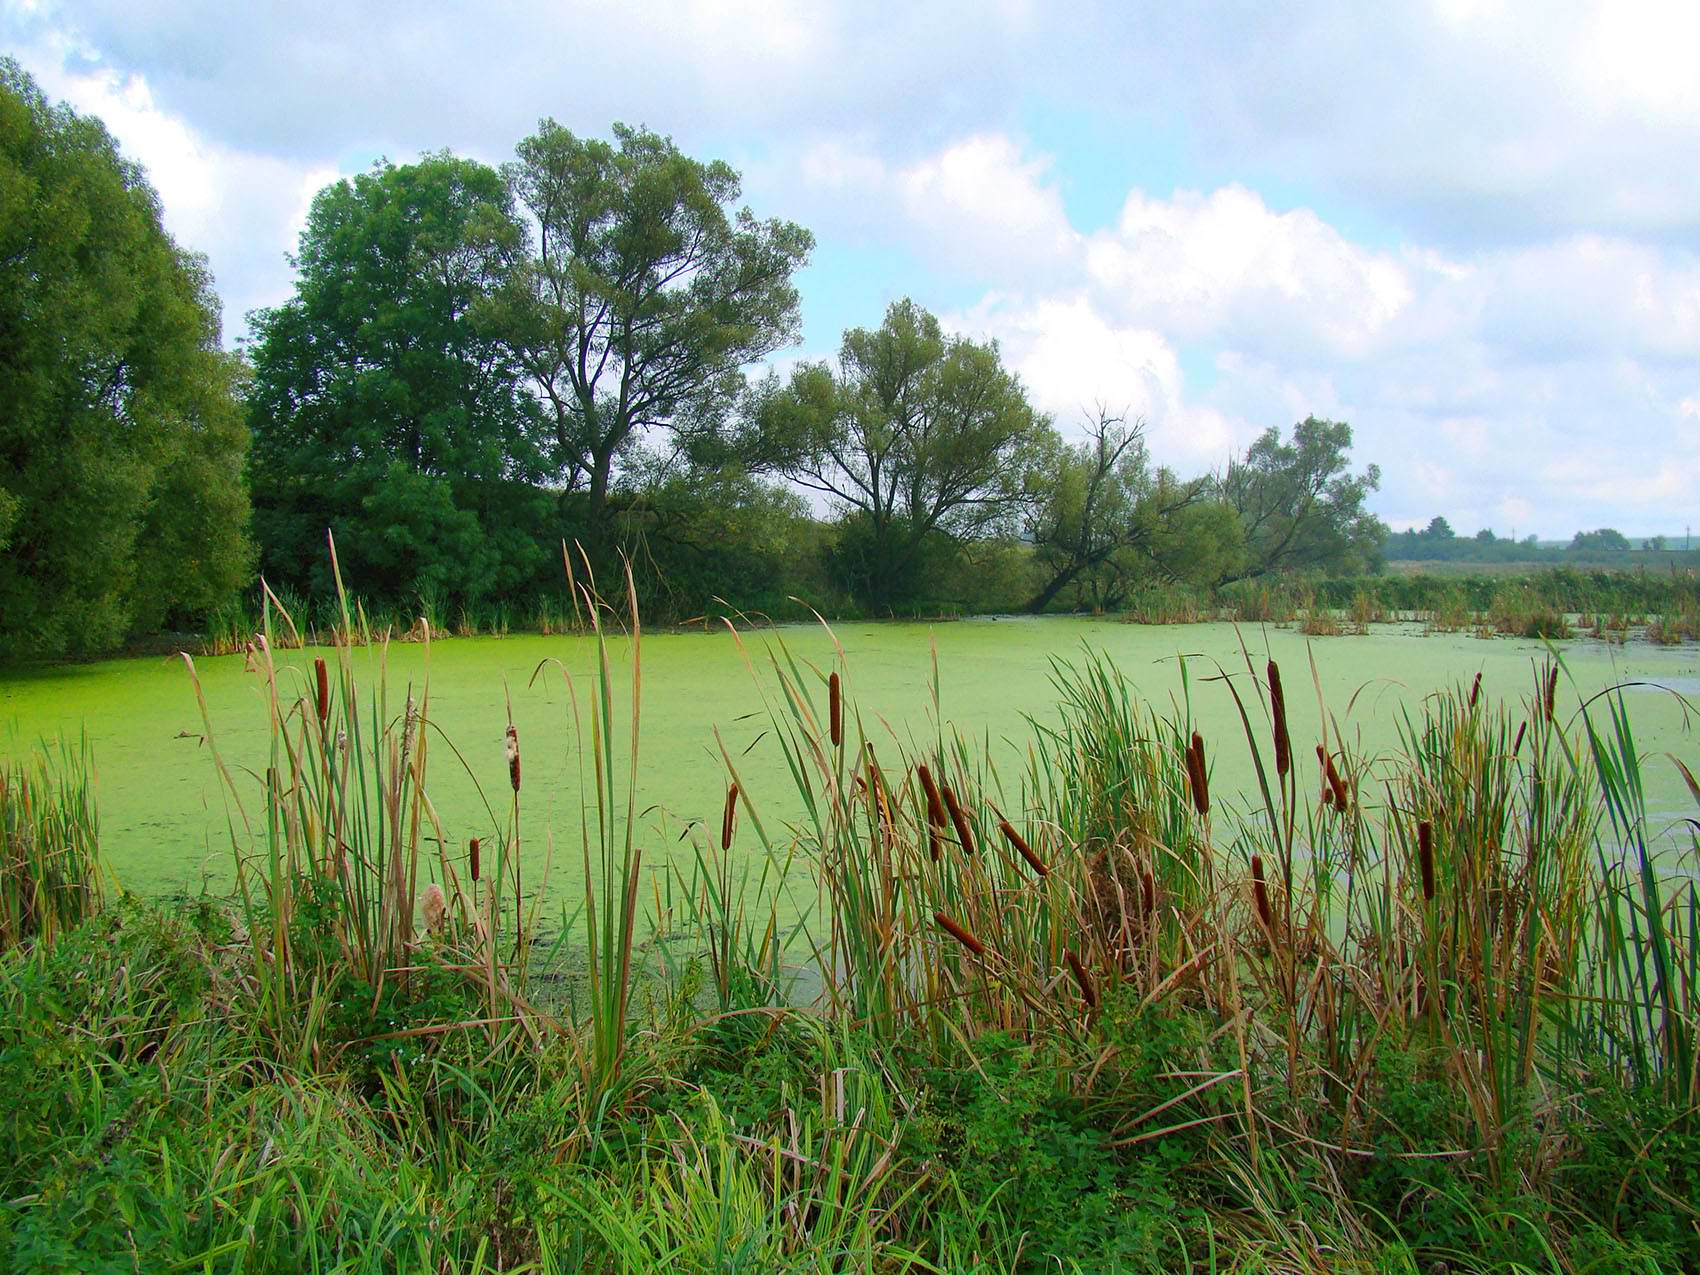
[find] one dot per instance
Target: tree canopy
(915, 435)
(641, 298)
(1300, 505)
(387, 405)
(121, 440)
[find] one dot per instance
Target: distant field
(1638, 560)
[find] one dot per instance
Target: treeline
(478, 365)
(1438, 542)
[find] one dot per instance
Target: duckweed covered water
(166, 825)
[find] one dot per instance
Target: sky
(1469, 228)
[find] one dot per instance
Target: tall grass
(50, 875)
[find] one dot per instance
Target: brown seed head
(964, 834)
(1150, 892)
(1278, 710)
(435, 907)
(512, 744)
(1260, 894)
(960, 934)
(835, 710)
(1341, 796)
(1517, 744)
(1019, 844)
(1552, 691)
(729, 817)
(1082, 979)
(1198, 777)
(322, 675)
(935, 805)
(472, 857)
(1475, 690)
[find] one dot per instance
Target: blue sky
(1471, 228)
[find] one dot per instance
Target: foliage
(121, 499)
(1300, 504)
(924, 439)
(640, 301)
(386, 408)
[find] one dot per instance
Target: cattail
(835, 710)
(1475, 690)
(472, 857)
(435, 907)
(1278, 709)
(1150, 892)
(1517, 744)
(1082, 979)
(1019, 844)
(960, 934)
(1198, 779)
(513, 756)
(1425, 857)
(964, 834)
(1336, 785)
(729, 818)
(935, 806)
(1552, 691)
(323, 676)
(1260, 894)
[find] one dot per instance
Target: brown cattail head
(835, 710)
(1149, 885)
(1337, 790)
(960, 934)
(1552, 691)
(323, 676)
(1517, 744)
(964, 834)
(512, 744)
(1260, 894)
(935, 805)
(1425, 857)
(1082, 979)
(1475, 690)
(472, 857)
(1198, 778)
(1278, 710)
(435, 907)
(1018, 843)
(729, 817)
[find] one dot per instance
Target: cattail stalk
(1552, 691)
(1425, 858)
(1337, 791)
(472, 858)
(1475, 690)
(1019, 844)
(960, 934)
(1082, 979)
(323, 676)
(1149, 885)
(835, 710)
(729, 817)
(512, 745)
(964, 834)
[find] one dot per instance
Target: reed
(50, 873)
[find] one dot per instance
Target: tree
(1300, 504)
(642, 300)
(1439, 529)
(922, 440)
(121, 439)
(1605, 539)
(385, 404)
(1102, 516)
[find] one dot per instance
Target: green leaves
(121, 500)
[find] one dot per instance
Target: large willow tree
(121, 442)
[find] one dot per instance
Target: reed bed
(921, 1009)
(50, 874)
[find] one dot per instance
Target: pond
(165, 823)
